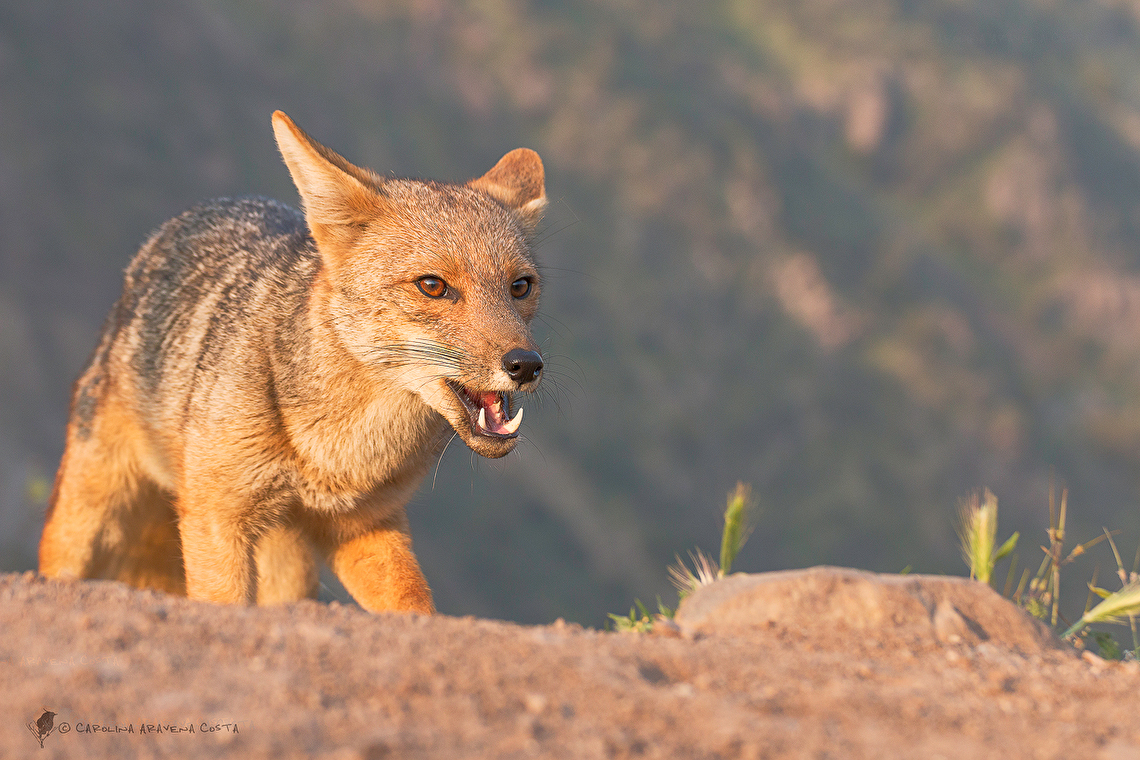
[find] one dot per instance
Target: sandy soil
(819, 663)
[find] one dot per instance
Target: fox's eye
(520, 288)
(432, 287)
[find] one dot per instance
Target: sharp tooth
(513, 426)
(482, 423)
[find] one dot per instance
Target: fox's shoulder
(212, 266)
(244, 213)
(250, 227)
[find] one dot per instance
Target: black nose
(523, 366)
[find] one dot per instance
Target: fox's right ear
(334, 193)
(518, 182)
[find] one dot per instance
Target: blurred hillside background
(868, 256)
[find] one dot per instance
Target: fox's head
(431, 286)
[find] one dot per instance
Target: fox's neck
(343, 417)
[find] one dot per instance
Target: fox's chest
(381, 451)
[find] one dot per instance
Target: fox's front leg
(373, 559)
(286, 571)
(217, 549)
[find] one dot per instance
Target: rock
(827, 605)
(309, 680)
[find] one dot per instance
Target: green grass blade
(977, 529)
(737, 526)
(1115, 608)
(1007, 548)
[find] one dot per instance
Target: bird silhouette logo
(41, 728)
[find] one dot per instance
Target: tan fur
(285, 567)
(259, 396)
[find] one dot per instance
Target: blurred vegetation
(1040, 594)
(866, 256)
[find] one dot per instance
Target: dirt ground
(823, 663)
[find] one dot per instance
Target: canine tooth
(513, 426)
(482, 418)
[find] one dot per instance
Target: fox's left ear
(518, 182)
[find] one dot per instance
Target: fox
(273, 385)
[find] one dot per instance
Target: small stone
(663, 626)
(949, 625)
(1096, 661)
(535, 703)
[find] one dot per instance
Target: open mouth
(487, 411)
